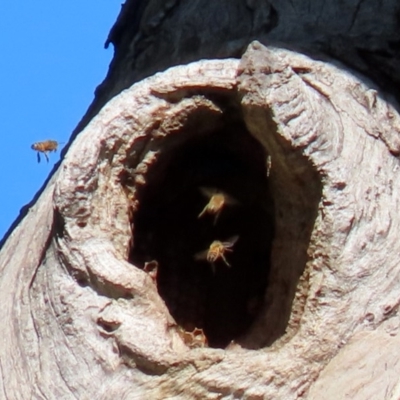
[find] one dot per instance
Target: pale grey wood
(79, 321)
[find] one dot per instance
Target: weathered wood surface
(152, 35)
(82, 322)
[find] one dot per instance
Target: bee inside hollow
(206, 216)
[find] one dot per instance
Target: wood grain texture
(86, 323)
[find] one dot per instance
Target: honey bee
(217, 251)
(44, 147)
(217, 202)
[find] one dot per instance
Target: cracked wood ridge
(307, 150)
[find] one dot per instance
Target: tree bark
(152, 36)
(103, 293)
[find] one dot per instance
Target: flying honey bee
(44, 147)
(217, 251)
(217, 202)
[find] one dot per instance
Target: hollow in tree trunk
(223, 229)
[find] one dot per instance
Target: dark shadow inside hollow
(296, 186)
(220, 299)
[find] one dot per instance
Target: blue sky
(52, 58)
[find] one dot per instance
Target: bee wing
(201, 255)
(231, 241)
(207, 191)
(210, 192)
(231, 200)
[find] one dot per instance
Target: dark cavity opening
(223, 301)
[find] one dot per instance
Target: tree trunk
(110, 285)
